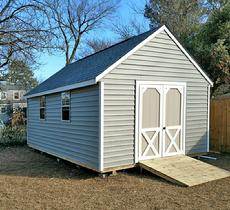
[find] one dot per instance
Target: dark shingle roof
(91, 66)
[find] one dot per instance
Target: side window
(3, 95)
(65, 101)
(16, 95)
(42, 107)
(3, 109)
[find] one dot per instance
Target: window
(65, 100)
(3, 109)
(16, 95)
(3, 95)
(42, 107)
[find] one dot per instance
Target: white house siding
(159, 60)
(77, 140)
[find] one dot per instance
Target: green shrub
(10, 136)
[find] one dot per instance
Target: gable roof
(89, 70)
(91, 66)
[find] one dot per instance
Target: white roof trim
(108, 70)
(65, 88)
(189, 57)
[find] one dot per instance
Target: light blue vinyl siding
(158, 60)
(77, 140)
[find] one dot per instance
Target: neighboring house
(139, 99)
(11, 97)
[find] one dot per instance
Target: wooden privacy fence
(220, 124)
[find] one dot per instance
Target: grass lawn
(30, 180)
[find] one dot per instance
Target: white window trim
(66, 106)
(1, 95)
(22, 93)
(41, 108)
(16, 91)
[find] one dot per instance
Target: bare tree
(22, 30)
(73, 19)
(98, 44)
(128, 29)
(136, 25)
(93, 45)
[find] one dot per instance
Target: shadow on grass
(24, 161)
(222, 160)
(144, 174)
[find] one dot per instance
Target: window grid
(65, 102)
(3, 95)
(16, 95)
(42, 107)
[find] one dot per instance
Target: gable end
(148, 39)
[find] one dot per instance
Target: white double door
(161, 120)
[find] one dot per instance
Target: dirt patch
(31, 180)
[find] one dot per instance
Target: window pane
(65, 98)
(65, 113)
(42, 113)
(2, 95)
(42, 101)
(65, 102)
(3, 109)
(16, 95)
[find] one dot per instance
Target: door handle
(164, 128)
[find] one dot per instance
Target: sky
(50, 64)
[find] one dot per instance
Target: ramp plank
(184, 170)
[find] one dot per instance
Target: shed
(140, 99)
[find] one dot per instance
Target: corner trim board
(101, 126)
(27, 124)
(185, 117)
(136, 121)
(208, 124)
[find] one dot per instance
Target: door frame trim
(160, 89)
(137, 106)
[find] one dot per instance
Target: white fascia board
(108, 70)
(188, 56)
(64, 88)
(163, 28)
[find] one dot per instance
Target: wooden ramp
(184, 170)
